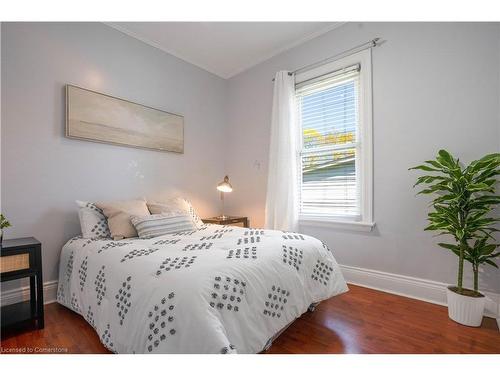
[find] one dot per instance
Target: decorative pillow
(175, 205)
(159, 224)
(118, 214)
(92, 221)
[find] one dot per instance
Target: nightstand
(240, 221)
(20, 258)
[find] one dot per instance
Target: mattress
(219, 289)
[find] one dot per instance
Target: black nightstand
(227, 220)
(19, 258)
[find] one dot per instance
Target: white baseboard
(412, 287)
(9, 297)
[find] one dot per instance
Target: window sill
(357, 226)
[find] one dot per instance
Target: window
(334, 110)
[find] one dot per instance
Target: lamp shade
(225, 186)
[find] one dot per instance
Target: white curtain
(282, 183)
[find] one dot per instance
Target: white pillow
(175, 205)
(92, 221)
(160, 224)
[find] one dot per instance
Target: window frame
(364, 163)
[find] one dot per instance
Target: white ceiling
(224, 48)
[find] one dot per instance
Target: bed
(219, 289)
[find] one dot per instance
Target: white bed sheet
(219, 289)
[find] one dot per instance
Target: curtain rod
(370, 44)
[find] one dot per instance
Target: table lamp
(224, 187)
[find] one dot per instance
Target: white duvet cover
(219, 289)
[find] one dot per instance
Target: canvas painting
(102, 118)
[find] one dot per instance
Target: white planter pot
(464, 309)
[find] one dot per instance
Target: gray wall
(434, 86)
(43, 172)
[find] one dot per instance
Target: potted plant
(4, 223)
(462, 208)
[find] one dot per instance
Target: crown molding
(248, 66)
(158, 46)
(287, 47)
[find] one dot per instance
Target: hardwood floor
(360, 321)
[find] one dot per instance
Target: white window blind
(328, 111)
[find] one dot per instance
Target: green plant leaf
(491, 263)
(487, 249)
(488, 173)
(453, 248)
(428, 179)
(435, 164)
(478, 187)
(425, 168)
(482, 163)
(444, 158)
